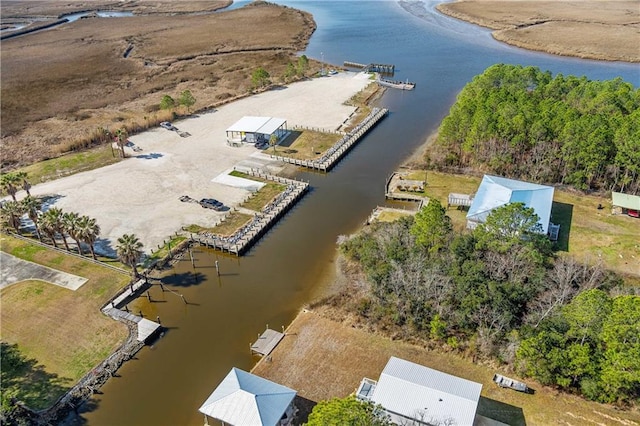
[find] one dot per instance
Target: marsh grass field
(603, 30)
(60, 85)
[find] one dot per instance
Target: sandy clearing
(141, 195)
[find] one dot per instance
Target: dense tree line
(524, 123)
(499, 291)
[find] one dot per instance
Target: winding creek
(294, 262)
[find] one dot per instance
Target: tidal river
(293, 263)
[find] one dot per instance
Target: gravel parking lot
(141, 194)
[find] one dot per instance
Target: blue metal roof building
(497, 191)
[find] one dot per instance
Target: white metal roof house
(497, 191)
(414, 394)
(244, 399)
(256, 129)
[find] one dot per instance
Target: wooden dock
(241, 240)
(340, 148)
(266, 342)
(146, 328)
(381, 68)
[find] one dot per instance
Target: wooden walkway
(146, 327)
(267, 342)
(340, 148)
(381, 68)
(241, 240)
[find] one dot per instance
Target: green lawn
(264, 196)
(70, 164)
(61, 333)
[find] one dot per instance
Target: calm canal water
(293, 263)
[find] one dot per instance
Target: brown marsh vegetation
(605, 30)
(61, 85)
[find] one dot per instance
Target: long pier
(340, 148)
(381, 68)
(241, 240)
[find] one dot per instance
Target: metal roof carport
(257, 126)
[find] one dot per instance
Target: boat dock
(340, 148)
(266, 342)
(241, 240)
(146, 328)
(394, 84)
(381, 68)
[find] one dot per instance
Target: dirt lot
(141, 194)
(322, 358)
(60, 85)
(607, 30)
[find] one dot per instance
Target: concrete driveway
(14, 270)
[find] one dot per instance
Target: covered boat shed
(495, 191)
(256, 129)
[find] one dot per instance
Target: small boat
(402, 85)
(506, 382)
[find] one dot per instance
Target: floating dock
(267, 342)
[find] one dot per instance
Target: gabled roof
(263, 125)
(246, 399)
(497, 191)
(626, 201)
(418, 392)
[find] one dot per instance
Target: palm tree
(11, 212)
(121, 138)
(21, 178)
(55, 219)
(47, 227)
(70, 224)
(9, 183)
(32, 206)
(89, 231)
(129, 252)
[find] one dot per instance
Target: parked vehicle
(168, 126)
(211, 203)
(506, 382)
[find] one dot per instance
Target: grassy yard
(69, 164)
(231, 223)
(305, 145)
(321, 358)
(586, 232)
(63, 331)
(264, 196)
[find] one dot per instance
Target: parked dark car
(211, 203)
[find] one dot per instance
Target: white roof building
(253, 129)
(410, 392)
(497, 191)
(245, 399)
